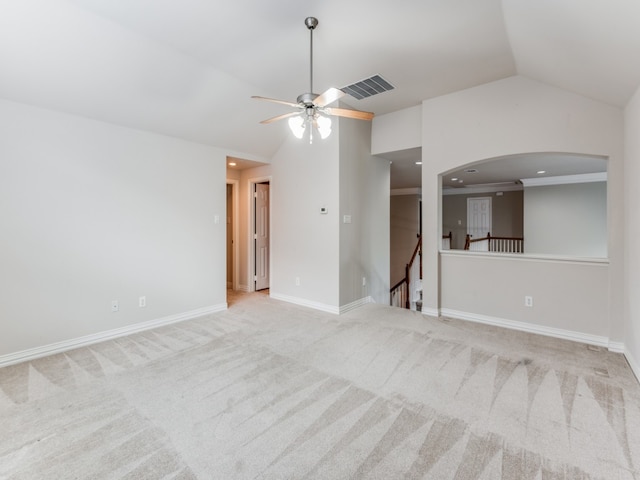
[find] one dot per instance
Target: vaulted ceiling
(188, 68)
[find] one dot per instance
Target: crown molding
(406, 191)
(565, 179)
(479, 189)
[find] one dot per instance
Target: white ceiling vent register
(368, 87)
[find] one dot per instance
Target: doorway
(478, 216)
(261, 235)
(232, 234)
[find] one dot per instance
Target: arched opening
(533, 203)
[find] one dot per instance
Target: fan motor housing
(307, 98)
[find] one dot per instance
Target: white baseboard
(358, 303)
(59, 347)
(432, 312)
(617, 347)
(323, 306)
(306, 303)
(635, 366)
(528, 327)
(243, 288)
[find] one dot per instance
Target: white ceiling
(188, 68)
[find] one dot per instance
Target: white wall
(632, 233)
(512, 116)
(328, 256)
(305, 244)
(566, 219)
(91, 213)
(364, 196)
(571, 282)
(397, 131)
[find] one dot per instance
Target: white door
(261, 236)
(478, 216)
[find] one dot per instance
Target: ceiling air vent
(368, 87)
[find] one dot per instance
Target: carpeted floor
(272, 390)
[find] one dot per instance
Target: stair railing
(494, 244)
(407, 290)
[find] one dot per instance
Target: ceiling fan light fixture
(296, 125)
(324, 126)
(312, 108)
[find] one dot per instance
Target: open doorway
(405, 229)
(232, 234)
(243, 175)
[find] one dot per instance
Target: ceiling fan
(312, 110)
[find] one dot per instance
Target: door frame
(235, 254)
(251, 254)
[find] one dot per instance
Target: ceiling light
(232, 164)
(418, 163)
(471, 170)
(540, 172)
(296, 124)
(311, 119)
(454, 179)
(324, 126)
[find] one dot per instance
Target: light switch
(346, 219)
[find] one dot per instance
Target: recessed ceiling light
(460, 181)
(540, 172)
(471, 170)
(232, 164)
(418, 163)
(454, 179)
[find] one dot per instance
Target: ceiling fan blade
(345, 112)
(328, 97)
(280, 117)
(283, 102)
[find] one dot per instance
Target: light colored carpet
(276, 391)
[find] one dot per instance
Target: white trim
(79, 342)
(528, 327)
(306, 303)
(235, 236)
(617, 347)
(431, 312)
(565, 179)
(527, 257)
(469, 190)
(357, 304)
(635, 366)
(405, 191)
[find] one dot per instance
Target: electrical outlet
(114, 306)
(142, 302)
(528, 301)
